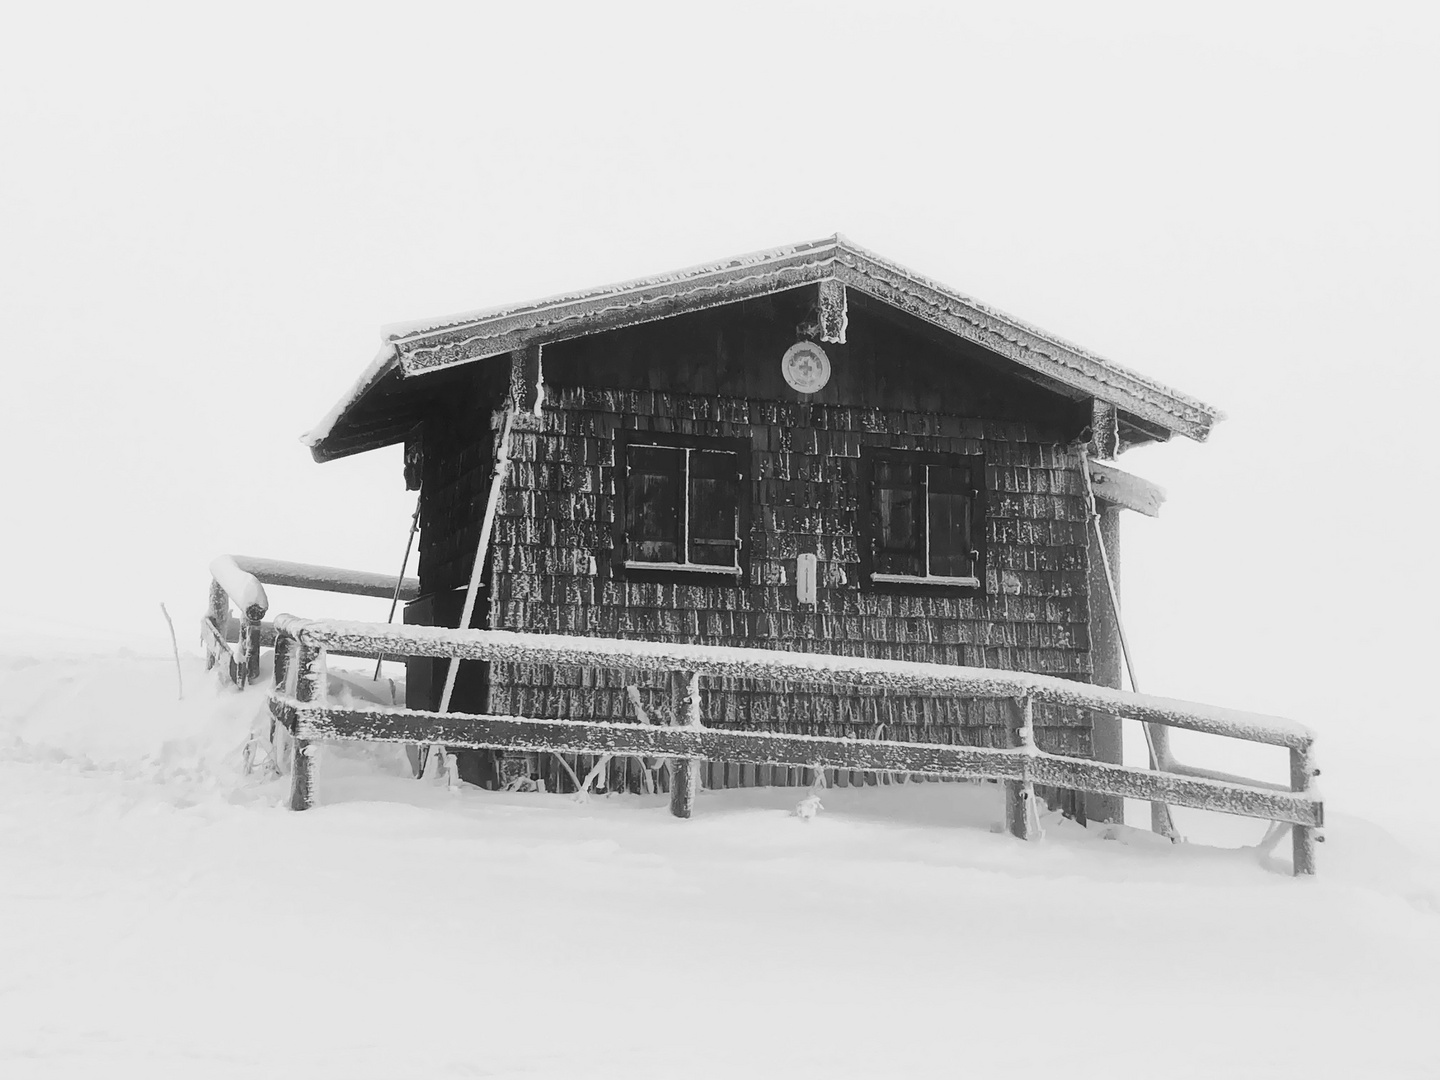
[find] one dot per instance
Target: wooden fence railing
(298, 705)
(240, 580)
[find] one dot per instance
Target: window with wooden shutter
(924, 519)
(685, 504)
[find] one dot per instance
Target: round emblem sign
(805, 367)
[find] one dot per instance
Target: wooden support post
(218, 612)
(309, 673)
(1020, 812)
(1107, 654)
(1302, 771)
(685, 778)
(1107, 630)
(284, 651)
(250, 647)
(527, 379)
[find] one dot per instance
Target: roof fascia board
(626, 305)
(375, 372)
(334, 450)
(1025, 347)
(739, 263)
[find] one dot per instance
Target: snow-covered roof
(385, 361)
(419, 348)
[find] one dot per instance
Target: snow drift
(161, 915)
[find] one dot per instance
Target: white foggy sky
(206, 217)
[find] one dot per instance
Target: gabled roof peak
(416, 348)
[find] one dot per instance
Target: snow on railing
(325, 578)
(297, 704)
(241, 579)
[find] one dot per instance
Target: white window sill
(910, 579)
(684, 568)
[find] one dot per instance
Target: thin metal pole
(400, 581)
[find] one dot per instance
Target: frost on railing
(1021, 765)
(240, 580)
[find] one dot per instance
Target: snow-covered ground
(162, 916)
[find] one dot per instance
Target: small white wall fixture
(805, 578)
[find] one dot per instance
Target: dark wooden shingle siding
(553, 571)
(896, 384)
(457, 445)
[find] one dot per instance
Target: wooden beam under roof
(1126, 489)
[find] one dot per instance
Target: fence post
(685, 772)
(284, 648)
(307, 688)
(218, 612)
(1020, 794)
(1302, 771)
(249, 647)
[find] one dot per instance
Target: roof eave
(317, 438)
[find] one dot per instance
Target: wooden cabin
(811, 448)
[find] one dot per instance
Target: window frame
(927, 584)
(626, 568)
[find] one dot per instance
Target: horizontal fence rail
(240, 580)
(325, 578)
(746, 663)
(477, 731)
(297, 706)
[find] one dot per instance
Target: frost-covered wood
(324, 578)
(685, 772)
(834, 317)
(217, 611)
(1105, 438)
(269, 639)
(242, 586)
(487, 525)
(527, 379)
(430, 346)
(233, 627)
(589, 737)
(507, 646)
(309, 679)
(1020, 812)
(239, 580)
(1171, 765)
(217, 651)
(249, 659)
(217, 607)
(1302, 774)
(1115, 485)
(385, 361)
(232, 585)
